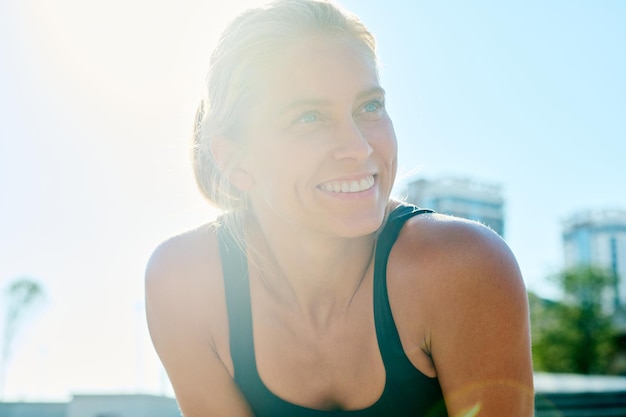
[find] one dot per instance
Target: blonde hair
(245, 47)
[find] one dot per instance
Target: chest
(329, 365)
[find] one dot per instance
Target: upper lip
(351, 177)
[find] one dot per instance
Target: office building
(598, 238)
(460, 197)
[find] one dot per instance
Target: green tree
(576, 334)
(20, 298)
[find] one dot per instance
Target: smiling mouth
(349, 186)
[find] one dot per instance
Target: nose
(351, 143)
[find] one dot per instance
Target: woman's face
(320, 147)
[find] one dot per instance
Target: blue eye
(308, 117)
(372, 106)
(372, 110)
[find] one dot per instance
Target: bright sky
(96, 104)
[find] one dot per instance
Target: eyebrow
(313, 102)
(374, 91)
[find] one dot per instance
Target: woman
(315, 294)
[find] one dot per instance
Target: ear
(228, 159)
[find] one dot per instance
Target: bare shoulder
(182, 253)
(442, 266)
(188, 323)
(457, 252)
(183, 286)
(461, 284)
(184, 280)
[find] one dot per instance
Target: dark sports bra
(407, 392)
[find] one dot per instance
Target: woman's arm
(187, 322)
(480, 336)
(461, 308)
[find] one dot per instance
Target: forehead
(318, 68)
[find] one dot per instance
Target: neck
(318, 276)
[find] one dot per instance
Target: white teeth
(353, 186)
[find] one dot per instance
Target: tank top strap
(389, 342)
(238, 305)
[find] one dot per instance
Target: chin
(360, 224)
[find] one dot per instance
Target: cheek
(271, 165)
(385, 141)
